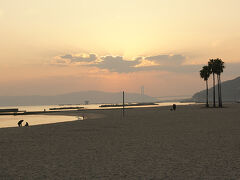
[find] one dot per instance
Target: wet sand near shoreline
(149, 143)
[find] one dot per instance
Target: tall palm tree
(219, 69)
(205, 74)
(212, 66)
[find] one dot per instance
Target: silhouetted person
(174, 106)
(20, 123)
(26, 124)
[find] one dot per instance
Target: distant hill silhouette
(230, 92)
(74, 98)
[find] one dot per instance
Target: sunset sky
(52, 47)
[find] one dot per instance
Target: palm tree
(205, 74)
(219, 69)
(212, 66)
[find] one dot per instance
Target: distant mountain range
(93, 97)
(230, 92)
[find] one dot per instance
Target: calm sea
(90, 106)
(11, 121)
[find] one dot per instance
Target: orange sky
(60, 46)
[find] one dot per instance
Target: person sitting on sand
(26, 124)
(20, 123)
(174, 107)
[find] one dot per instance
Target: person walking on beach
(20, 123)
(26, 124)
(174, 107)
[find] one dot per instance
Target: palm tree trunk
(214, 102)
(219, 100)
(207, 94)
(220, 91)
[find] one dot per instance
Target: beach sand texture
(149, 143)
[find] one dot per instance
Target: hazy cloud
(162, 63)
(173, 63)
(89, 58)
(167, 59)
(67, 56)
(60, 61)
(117, 64)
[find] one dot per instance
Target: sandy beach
(149, 143)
